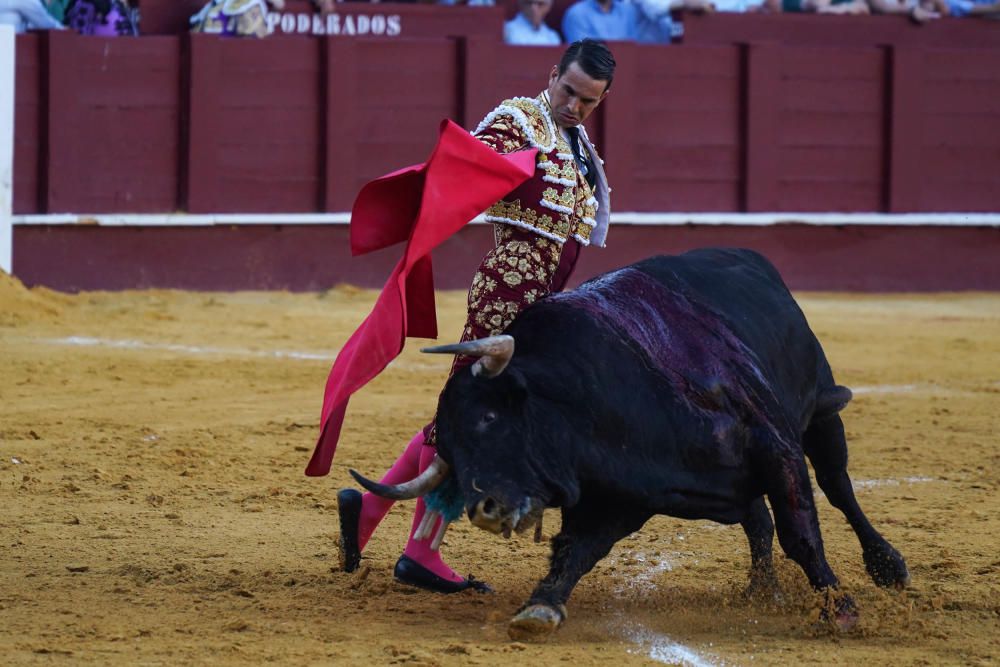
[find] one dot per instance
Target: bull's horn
(494, 353)
(423, 483)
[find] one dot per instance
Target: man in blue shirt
(983, 8)
(528, 27)
(609, 20)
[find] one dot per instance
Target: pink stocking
(374, 508)
(420, 550)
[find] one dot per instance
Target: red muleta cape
(424, 205)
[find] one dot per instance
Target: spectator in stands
(655, 24)
(920, 11)
(528, 27)
(27, 15)
(325, 7)
(104, 18)
(746, 6)
(981, 8)
(608, 20)
(234, 18)
(825, 6)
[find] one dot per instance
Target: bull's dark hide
(690, 386)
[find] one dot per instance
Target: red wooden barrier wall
(296, 124)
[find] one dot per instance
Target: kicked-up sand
(154, 509)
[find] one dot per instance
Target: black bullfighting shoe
(349, 509)
(412, 573)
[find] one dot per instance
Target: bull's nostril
(489, 507)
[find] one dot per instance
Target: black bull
(690, 386)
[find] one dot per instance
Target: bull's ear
(516, 389)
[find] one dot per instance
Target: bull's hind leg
(790, 493)
(589, 530)
(826, 446)
(759, 530)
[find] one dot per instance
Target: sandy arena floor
(155, 511)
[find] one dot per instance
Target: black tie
(582, 160)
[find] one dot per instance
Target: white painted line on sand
(864, 484)
(130, 344)
(886, 389)
(657, 646)
(662, 648)
(210, 350)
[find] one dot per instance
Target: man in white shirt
(528, 27)
(27, 15)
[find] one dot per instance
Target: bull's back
(731, 305)
(746, 291)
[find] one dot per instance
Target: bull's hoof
(886, 567)
(840, 611)
(763, 586)
(535, 623)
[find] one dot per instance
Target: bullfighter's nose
(486, 514)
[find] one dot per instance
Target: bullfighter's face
(573, 95)
(488, 434)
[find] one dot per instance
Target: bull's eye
(488, 417)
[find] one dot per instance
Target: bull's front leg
(588, 532)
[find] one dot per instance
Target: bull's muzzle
(492, 515)
(487, 514)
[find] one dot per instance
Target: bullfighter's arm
(503, 133)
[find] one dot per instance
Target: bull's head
(499, 439)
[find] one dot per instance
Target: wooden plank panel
(338, 125)
(684, 163)
(624, 134)
(764, 90)
(267, 142)
(684, 128)
(962, 64)
(692, 94)
(964, 163)
(828, 164)
(957, 196)
(829, 196)
(959, 129)
(863, 129)
(660, 195)
(284, 125)
(832, 64)
(29, 125)
(906, 102)
(203, 65)
(853, 96)
(263, 162)
(115, 117)
(695, 62)
(952, 96)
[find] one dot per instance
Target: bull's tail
(831, 401)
